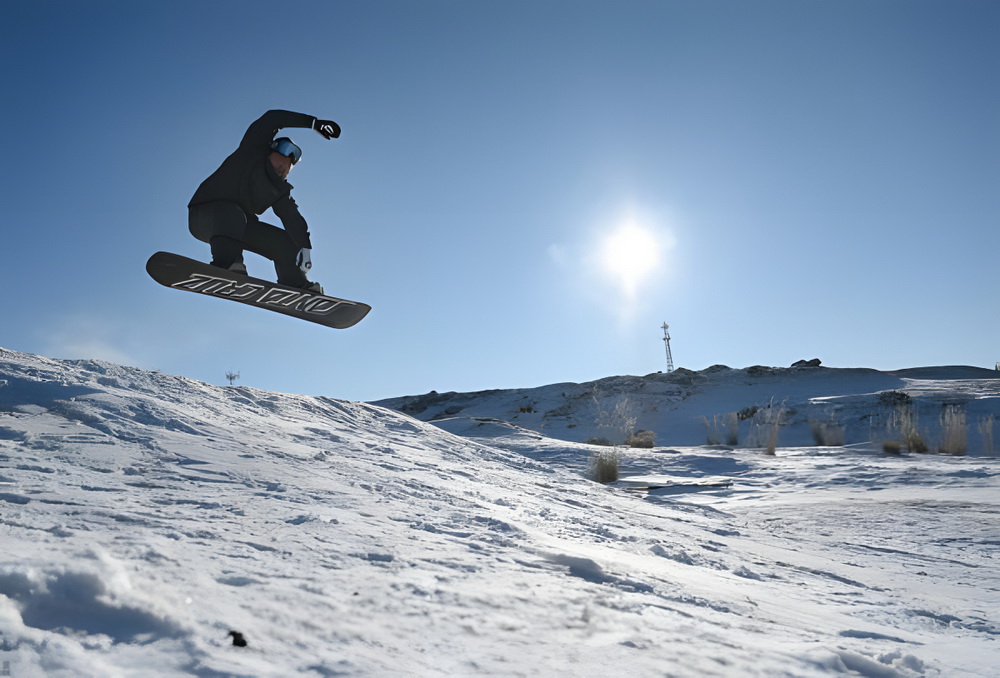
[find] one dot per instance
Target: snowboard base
(182, 273)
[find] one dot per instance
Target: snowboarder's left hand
(328, 128)
(303, 259)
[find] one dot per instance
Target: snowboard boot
(228, 254)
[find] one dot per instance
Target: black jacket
(247, 178)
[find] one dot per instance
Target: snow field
(144, 516)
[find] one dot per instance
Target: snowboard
(182, 273)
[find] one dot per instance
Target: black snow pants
(230, 231)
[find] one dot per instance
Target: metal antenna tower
(666, 342)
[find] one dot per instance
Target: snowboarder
(224, 209)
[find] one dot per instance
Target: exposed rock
(815, 362)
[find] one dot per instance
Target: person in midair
(223, 211)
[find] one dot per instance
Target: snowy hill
(683, 407)
(145, 516)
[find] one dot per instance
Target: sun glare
(629, 255)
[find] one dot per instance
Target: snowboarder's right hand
(328, 128)
(303, 260)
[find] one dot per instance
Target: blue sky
(799, 178)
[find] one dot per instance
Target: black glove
(328, 128)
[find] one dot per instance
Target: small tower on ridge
(666, 342)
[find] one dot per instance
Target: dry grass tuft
(954, 431)
(604, 465)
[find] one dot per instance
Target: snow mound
(148, 518)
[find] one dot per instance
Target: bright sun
(629, 255)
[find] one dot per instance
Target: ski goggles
(285, 147)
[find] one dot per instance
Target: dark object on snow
(238, 639)
(815, 362)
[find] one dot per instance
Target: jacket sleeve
(262, 130)
(294, 223)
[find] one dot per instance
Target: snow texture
(148, 521)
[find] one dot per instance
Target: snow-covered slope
(676, 405)
(145, 516)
